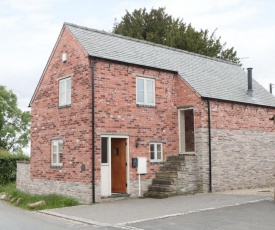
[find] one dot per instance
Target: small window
(145, 91)
(57, 150)
(65, 92)
(156, 152)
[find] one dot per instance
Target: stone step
(166, 175)
(161, 188)
(163, 181)
(160, 195)
(174, 163)
(176, 158)
(172, 168)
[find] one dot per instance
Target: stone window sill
(64, 106)
(156, 162)
(146, 106)
(56, 166)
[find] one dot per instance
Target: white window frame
(156, 152)
(58, 153)
(65, 92)
(145, 102)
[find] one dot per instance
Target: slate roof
(209, 77)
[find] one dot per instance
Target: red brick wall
(243, 140)
(117, 112)
(73, 123)
(236, 116)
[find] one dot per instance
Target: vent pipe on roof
(249, 78)
(270, 87)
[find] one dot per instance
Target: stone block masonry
(82, 192)
(23, 176)
(243, 140)
(242, 159)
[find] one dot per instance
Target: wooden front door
(118, 159)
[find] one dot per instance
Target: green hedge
(8, 166)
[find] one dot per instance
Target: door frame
(110, 137)
(179, 130)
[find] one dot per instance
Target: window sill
(56, 166)
(64, 106)
(156, 162)
(146, 106)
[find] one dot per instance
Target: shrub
(8, 165)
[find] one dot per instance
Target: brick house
(104, 99)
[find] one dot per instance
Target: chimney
(249, 78)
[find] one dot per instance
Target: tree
(14, 124)
(159, 27)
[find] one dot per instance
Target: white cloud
(29, 5)
(29, 30)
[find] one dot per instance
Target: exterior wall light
(138, 142)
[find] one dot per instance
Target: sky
(30, 28)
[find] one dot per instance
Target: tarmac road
(252, 216)
(12, 218)
(202, 211)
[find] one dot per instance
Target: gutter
(93, 130)
(209, 146)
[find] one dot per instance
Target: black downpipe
(209, 146)
(93, 129)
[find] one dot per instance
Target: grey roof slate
(209, 77)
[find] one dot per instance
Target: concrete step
(161, 188)
(163, 181)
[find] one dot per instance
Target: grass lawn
(52, 200)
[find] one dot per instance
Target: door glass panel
(104, 150)
(117, 151)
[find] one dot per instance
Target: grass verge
(52, 200)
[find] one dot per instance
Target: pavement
(123, 213)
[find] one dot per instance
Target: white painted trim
(145, 91)
(155, 152)
(59, 163)
(65, 79)
(128, 190)
(179, 130)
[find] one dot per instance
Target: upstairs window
(57, 150)
(145, 88)
(156, 152)
(65, 92)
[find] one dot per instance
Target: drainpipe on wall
(209, 147)
(93, 129)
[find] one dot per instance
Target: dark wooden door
(118, 158)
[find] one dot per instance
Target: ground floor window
(156, 152)
(57, 150)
